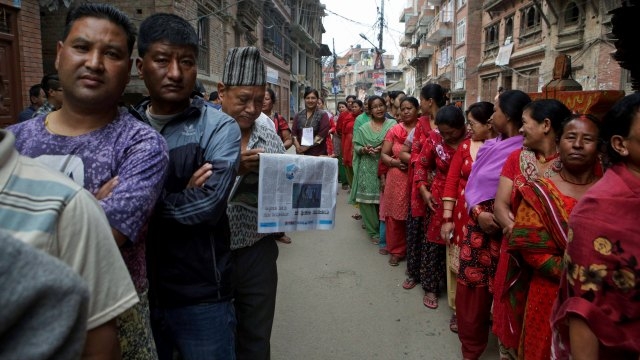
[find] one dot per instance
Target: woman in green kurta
(367, 143)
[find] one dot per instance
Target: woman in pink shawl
(597, 313)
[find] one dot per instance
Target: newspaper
(296, 193)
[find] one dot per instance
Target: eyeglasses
(472, 123)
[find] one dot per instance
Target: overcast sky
(361, 16)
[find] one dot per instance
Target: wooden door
(9, 69)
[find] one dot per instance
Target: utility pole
(334, 81)
(381, 25)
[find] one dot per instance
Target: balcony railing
(440, 27)
(410, 26)
(425, 50)
(494, 5)
(426, 15)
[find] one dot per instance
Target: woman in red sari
(597, 315)
(396, 197)
(478, 262)
(432, 98)
(539, 235)
(455, 215)
(347, 139)
(541, 124)
(436, 155)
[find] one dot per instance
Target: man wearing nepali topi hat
(254, 255)
(190, 266)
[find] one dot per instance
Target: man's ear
(221, 91)
(139, 68)
(59, 46)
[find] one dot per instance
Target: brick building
(356, 74)
(288, 32)
(475, 47)
(20, 54)
(530, 34)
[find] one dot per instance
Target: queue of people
(515, 210)
(505, 210)
(135, 201)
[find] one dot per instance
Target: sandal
(284, 239)
(356, 216)
(453, 324)
(430, 301)
(383, 251)
(375, 241)
(394, 260)
(409, 283)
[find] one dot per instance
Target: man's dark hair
(102, 11)
(50, 82)
(34, 90)
(213, 96)
(167, 28)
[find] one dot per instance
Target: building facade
(473, 48)
(522, 40)
(356, 75)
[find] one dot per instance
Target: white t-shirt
(46, 209)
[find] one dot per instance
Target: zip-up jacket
(188, 246)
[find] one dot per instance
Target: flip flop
(453, 324)
(284, 239)
(394, 260)
(430, 301)
(409, 284)
(356, 216)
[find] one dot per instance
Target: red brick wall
(29, 45)
(609, 71)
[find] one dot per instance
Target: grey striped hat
(244, 67)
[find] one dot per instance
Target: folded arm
(196, 205)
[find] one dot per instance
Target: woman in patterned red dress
(455, 215)
(541, 124)
(436, 155)
(477, 268)
(597, 314)
(432, 98)
(540, 229)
